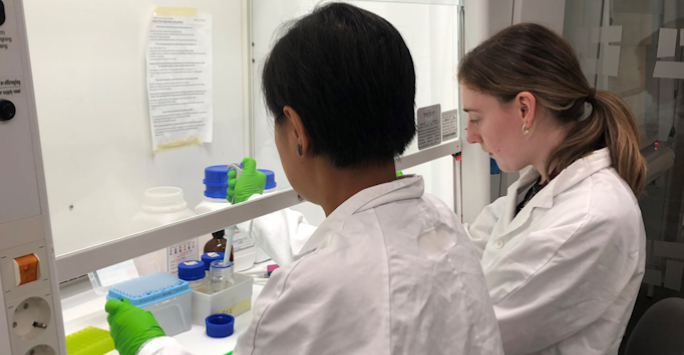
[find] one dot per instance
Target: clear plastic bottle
(221, 276)
(208, 258)
(193, 272)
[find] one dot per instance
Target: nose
(472, 137)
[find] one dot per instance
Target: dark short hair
(350, 77)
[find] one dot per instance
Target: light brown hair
(531, 57)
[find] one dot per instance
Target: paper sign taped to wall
(179, 81)
(449, 125)
(429, 126)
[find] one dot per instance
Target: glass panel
(634, 49)
(89, 71)
(430, 29)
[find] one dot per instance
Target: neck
(338, 185)
(549, 140)
(541, 168)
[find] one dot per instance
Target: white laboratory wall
(550, 13)
(88, 60)
(430, 32)
(483, 19)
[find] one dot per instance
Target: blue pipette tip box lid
(149, 289)
(220, 325)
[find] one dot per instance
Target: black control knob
(7, 110)
(2, 13)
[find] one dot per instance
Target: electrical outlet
(31, 317)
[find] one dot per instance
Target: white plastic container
(244, 251)
(161, 206)
(209, 204)
(234, 300)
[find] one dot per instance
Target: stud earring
(525, 131)
(299, 150)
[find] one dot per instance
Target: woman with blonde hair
(563, 253)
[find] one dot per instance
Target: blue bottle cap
(191, 270)
(216, 181)
(208, 258)
(270, 179)
(220, 325)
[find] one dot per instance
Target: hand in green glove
(400, 173)
(130, 326)
(252, 181)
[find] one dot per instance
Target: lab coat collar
(404, 188)
(572, 175)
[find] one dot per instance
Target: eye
(474, 121)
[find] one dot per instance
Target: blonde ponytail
(612, 125)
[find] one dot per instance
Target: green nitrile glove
(130, 326)
(400, 173)
(251, 181)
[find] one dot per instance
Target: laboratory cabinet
(105, 119)
(637, 54)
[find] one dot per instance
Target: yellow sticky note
(176, 11)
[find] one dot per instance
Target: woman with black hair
(391, 270)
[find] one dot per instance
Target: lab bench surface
(87, 309)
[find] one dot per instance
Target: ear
(526, 106)
(299, 134)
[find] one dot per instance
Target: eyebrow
(470, 110)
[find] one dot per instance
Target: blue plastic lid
(220, 325)
(216, 181)
(191, 270)
(270, 179)
(208, 258)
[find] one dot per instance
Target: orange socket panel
(28, 269)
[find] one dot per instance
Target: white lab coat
(390, 271)
(280, 234)
(565, 272)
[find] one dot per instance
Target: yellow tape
(176, 11)
(238, 308)
(188, 142)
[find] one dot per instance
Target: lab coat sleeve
(481, 229)
(163, 346)
(280, 234)
(543, 294)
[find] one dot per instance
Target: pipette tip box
(165, 295)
